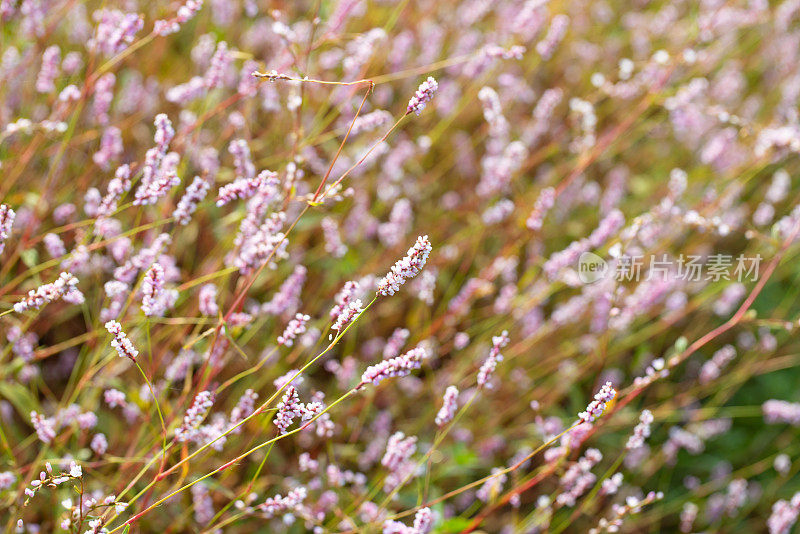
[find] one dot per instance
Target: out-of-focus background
(593, 329)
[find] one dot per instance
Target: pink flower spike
(423, 95)
(598, 405)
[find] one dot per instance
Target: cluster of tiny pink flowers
(641, 431)
(48, 479)
(7, 216)
(712, 368)
(51, 58)
(578, 478)
(44, 426)
(103, 95)
(349, 293)
(244, 408)
(398, 450)
(152, 291)
(117, 186)
(449, 406)
(688, 515)
(158, 172)
(289, 408)
(493, 485)
(370, 121)
(558, 27)
(395, 342)
(546, 200)
(202, 503)
(611, 485)
(778, 411)
(333, 241)
(784, 515)
(568, 257)
(115, 30)
(423, 95)
(110, 147)
(207, 300)
(64, 287)
(276, 505)
(217, 67)
(99, 444)
(395, 367)
(490, 364)
(7, 479)
(187, 205)
(296, 327)
(632, 505)
(423, 522)
(194, 416)
(598, 405)
(186, 12)
(240, 151)
(653, 372)
(121, 343)
(246, 187)
(406, 268)
(348, 313)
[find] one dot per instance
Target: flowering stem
(158, 407)
(232, 462)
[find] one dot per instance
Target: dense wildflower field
(399, 266)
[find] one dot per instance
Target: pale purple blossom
(103, 95)
(158, 176)
(423, 95)
(449, 406)
(423, 522)
(784, 515)
(406, 268)
(187, 205)
(546, 200)
(65, 287)
(277, 505)
(152, 291)
(44, 426)
(778, 411)
(186, 12)
(287, 299)
(289, 408)
(7, 216)
(641, 431)
(99, 444)
(558, 27)
(246, 187)
(487, 369)
(394, 367)
(51, 58)
(194, 416)
(115, 30)
(121, 343)
(208, 300)
(596, 408)
(296, 327)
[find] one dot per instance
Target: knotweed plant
(353, 266)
